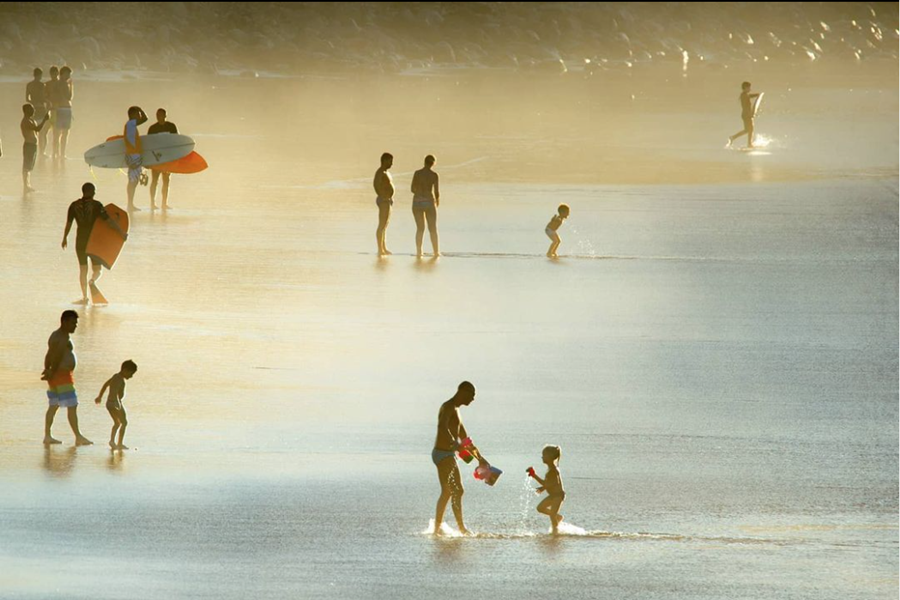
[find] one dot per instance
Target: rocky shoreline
(309, 38)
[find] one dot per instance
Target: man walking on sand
(59, 366)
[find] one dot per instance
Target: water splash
(569, 529)
(526, 499)
(446, 530)
(585, 247)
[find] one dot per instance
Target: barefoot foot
(49, 440)
(83, 441)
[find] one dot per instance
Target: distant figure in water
(36, 95)
(552, 484)
(384, 200)
(30, 131)
(450, 433)
(59, 366)
(552, 229)
(133, 149)
(61, 93)
(84, 212)
(161, 126)
(426, 199)
(747, 116)
(116, 385)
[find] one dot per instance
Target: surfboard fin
(96, 296)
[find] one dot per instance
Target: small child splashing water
(552, 228)
(552, 484)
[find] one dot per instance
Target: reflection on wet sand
(59, 461)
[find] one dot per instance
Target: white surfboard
(157, 149)
(757, 103)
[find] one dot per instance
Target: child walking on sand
(553, 226)
(116, 385)
(552, 484)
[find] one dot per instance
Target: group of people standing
(426, 200)
(48, 107)
(46, 102)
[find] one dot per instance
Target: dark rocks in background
(297, 38)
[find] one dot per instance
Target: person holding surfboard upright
(59, 365)
(84, 212)
(161, 126)
(748, 114)
(384, 199)
(133, 151)
(36, 95)
(426, 199)
(30, 131)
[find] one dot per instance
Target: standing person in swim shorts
(426, 199)
(746, 99)
(36, 95)
(450, 433)
(30, 131)
(133, 149)
(161, 126)
(384, 200)
(61, 96)
(84, 212)
(51, 95)
(59, 366)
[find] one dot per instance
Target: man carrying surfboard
(161, 126)
(84, 212)
(133, 151)
(748, 113)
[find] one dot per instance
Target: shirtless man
(61, 93)
(59, 365)
(36, 95)
(747, 116)
(450, 432)
(30, 130)
(426, 199)
(50, 94)
(384, 199)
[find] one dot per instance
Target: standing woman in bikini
(426, 198)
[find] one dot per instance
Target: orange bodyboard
(192, 163)
(105, 243)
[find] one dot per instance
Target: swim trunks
(62, 390)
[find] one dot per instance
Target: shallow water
(717, 359)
